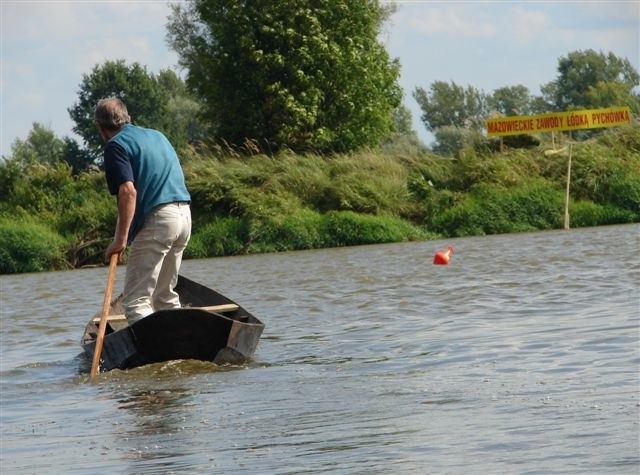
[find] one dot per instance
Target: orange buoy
(442, 257)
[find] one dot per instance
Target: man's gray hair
(111, 113)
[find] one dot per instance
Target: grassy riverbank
(257, 203)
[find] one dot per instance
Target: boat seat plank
(224, 308)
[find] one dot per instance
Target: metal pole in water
(566, 197)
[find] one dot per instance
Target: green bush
(299, 230)
(87, 218)
(29, 247)
(195, 249)
(585, 213)
(221, 237)
(87, 206)
(79, 208)
(35, 190)
(364, 183)
(302, 229)
(625, 193)
(623, 140)
(588, 213)
(495, 210)
(346, 228)
(259, 203)
(451, 140)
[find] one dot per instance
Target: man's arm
(126, 209)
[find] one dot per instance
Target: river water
(520, 356)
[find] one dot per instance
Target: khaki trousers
(154, 261)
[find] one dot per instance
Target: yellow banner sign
(572, 120)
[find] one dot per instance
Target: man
(154, 218)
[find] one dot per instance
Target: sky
(47, 46)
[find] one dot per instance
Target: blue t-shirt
(146, 158)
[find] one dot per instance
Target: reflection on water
(155, 411)
(154, 415)
(520, 356)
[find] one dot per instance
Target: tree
(448, 104)
(161, 102)
(608, 94)
(404, 140)
(307, 75)
(79, 158)
(402, 121)
(546, 101)
(450, 140)
(41, 146)
(182, 122)
(147, 103)
(511, 100)
(587, 79)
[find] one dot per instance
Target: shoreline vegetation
(246, 202)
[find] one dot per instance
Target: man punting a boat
(142, 169)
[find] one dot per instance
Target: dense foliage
(586, 80)
(60, 220)
(297, 96)
(159, 101)
(29, 246)
(449, 104)
(304, 75)
(50, 219)
(590, 80)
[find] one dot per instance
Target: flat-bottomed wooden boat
(208, 327)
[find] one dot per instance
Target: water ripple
(521, 356)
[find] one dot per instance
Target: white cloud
(83, 32)
(32, 21)
(48, 45)
(619, 12)
(448, 21)
(131, 49)
(524, 25)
